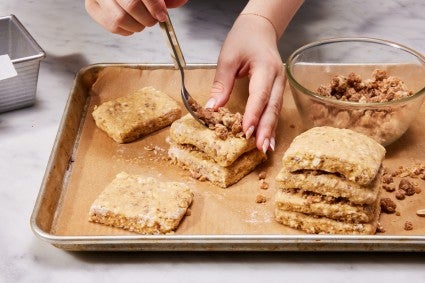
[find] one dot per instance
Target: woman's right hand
(126, 17)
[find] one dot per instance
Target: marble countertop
(72, 40)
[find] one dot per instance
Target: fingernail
(249, 132)
(272, 143)
(161, 16)
(210, 103)
(266, 144)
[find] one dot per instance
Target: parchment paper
(98, 159)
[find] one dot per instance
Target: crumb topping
(223, 122)
(400, 195)
(408, 226)
(405, 183)
(380, 88)
(381, 123)
(260, 199)
(387, 205)
(262, 175)
(264, 185)
(406, 186)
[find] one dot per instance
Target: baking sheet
(84, 160)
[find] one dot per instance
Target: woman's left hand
(250, 49)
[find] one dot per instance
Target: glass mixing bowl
(315, 64)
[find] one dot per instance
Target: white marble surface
(72, 40)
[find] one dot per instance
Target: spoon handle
(173, 43)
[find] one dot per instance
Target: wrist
(279, 12)
(263, 18)
(257, 27)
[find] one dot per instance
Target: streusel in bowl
(372, 86)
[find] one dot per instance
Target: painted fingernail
(266, 144)
(272, 143)
(249, 132)
(210, 103)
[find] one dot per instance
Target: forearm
(278, 12)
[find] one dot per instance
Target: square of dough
(355, 156)
(188, 131)
(330, 185)
(204, 166)
(321, 225)
(130, 117)
(141, 204)
(324, 206)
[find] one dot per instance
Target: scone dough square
(330, 185)
(188, 131)
(205, 167)
(132, 116)
(141, 204)
(355, 156)
(322, 225)
(324, 206)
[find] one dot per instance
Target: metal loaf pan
(25, 54)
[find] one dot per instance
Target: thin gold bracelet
(264, 17)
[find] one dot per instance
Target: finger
(175, 3)
(123, 32)
(156, 8)
(266, 130)
(112, 17)
(138, 12)
(260, 86)
(222, 86)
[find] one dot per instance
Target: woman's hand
(126, 17)
(250, 49)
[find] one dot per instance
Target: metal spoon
(176, 53)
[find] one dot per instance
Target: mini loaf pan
(19, 91)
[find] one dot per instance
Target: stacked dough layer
(330, 182)
(222, 162)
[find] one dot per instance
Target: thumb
(222, 86)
